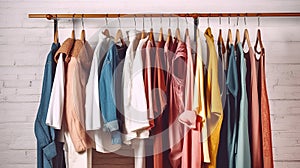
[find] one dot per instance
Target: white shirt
(93, 118)
(56, 104)
(92, 107)
(134, 97)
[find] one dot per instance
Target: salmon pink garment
(254, 116)
(192, 150)
(176, 103)
(265, 114)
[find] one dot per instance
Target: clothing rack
(193, 15)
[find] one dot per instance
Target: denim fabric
(45, 135)
(107, 93)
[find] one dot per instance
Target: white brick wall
(24, 44)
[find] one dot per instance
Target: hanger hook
(229, 20)
(82, 22)
(220, 21)
(169, 22)
(119, 21)
(106, 22)
(245, 21)
(143, 22)
(237, 20)
(134, 22)
(177, 22)
(73, 20)
(151, 21)
(186, 21)
(161, 20)
(208, 21)
(258, 21)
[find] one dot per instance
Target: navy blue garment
(228, 135)
(47, 148)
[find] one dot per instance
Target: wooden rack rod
(194, 15)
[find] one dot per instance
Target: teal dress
(232, 87)
(243, 155)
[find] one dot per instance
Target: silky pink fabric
(254, 116)
(176, 103)
(192, 150)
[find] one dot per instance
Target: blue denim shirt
(107, 93)
(47, 148)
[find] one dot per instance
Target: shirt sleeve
(92, 108)
(107, 92)
(56, 105)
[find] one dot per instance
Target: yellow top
(198, 100)
(213, 101)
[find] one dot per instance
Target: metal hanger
(237, 33)
(187, 29)
(169, 38)
(143, 31)
(73, 31)
(151, 38)
(82, 36)
(161, 33)
(106, 31)
(177, 32)
(258, 39)
(56, 40)
(229, 36)
(246, 36)
(220, 38)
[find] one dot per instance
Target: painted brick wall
(24, 44)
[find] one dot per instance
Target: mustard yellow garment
(213, 101)
(198, 101)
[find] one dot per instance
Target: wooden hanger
(144, 34)
(221, 41)
(161, 35)
(177, 31)
(169, 38)
(56, 36)
(237, 37)
(258, 41)
(106, 32)
(177, 34)
(119, 35)
(229, 39)
(82, 36)
(151, 37)
(246, 38)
